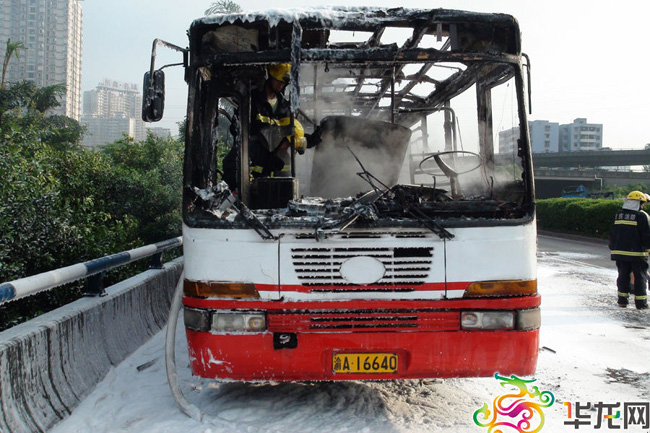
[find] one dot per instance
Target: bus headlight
(529, 319)
(196, 319)
(487, 320)
(238, 322)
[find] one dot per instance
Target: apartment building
(581, 135)
(51, 33)
(508, 140)
(544, 136)
(548, 136)
(110, 110)
(161, 132)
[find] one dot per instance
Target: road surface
(591, 352)
(587, 252)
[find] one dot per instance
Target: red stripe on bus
(506, 303)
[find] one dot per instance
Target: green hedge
(583, 216)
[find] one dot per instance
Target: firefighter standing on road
(629, 242)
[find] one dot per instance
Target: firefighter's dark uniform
(268, 126)
(629, 241)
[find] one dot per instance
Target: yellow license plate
(364, 363)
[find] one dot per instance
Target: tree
(147, 184)
(12, 50)
(47, 97)
(24, 107)
(223, 7)
(61, 204)
(25, 97)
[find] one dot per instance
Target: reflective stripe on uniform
(625, 222)
(623, 295)
(630, 253)
(640, 298)
(285, 121)
(257, 169)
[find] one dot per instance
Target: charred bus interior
(421, 115)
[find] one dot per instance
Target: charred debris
(398, 206)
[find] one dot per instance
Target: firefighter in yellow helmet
(281, 73)
(629, 242)
(270, 130)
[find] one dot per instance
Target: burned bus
(402, 243)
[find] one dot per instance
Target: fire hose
(170, 355)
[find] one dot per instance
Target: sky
(592, 351)
(589, 59)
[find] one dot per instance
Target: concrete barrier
(49, 364)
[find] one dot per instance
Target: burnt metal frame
(383, 63)
(376, 62)
(389, 58)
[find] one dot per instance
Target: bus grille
(370, 235)
(405, 266)
(363, 321)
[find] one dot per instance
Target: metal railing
(13, 290)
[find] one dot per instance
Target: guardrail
(49, 364)
(23, 287)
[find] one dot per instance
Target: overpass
(550, 182)
(598, 158)
(555, 171)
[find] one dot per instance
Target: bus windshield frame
(385, 69)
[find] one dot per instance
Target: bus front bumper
(255, 357)
(357, 340)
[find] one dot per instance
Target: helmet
(637, 195)
(281, 72)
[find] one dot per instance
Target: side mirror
(153, 96)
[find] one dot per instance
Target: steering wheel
(446, 169)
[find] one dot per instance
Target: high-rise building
(581, 135)
(548, 136)
(50, 30)
(508, 140)
(110, 110)
(544, 136)
(158, 131)
(103, 130)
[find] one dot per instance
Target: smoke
(330, 92)
(333, 94)
(476, 178)
(380, 146)
(331, 171)
(501, 179)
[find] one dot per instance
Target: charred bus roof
(471, 31)
(366, 65)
